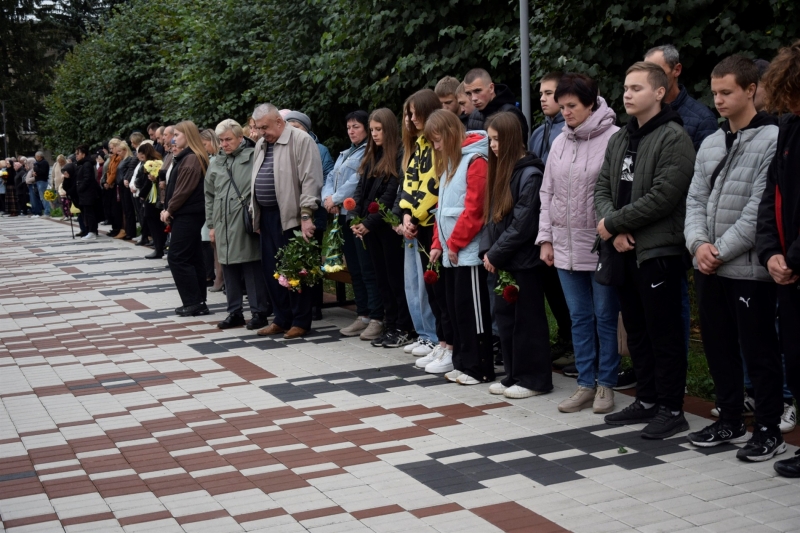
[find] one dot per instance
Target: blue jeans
(594, 309)
(35, 201)
(416, 295)
(41, 186)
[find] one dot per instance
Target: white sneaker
(424, 347)
(444, 363)
(410, 347)
(789, 418)
(517, 392)
(497, 388)
(89, 236)
(428, 359)
(466, 379)
(748, 408)
(453, 375)
(35, 216)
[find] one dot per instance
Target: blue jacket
(698, 120)
(325, 154)
(536, 144)
(341, 182)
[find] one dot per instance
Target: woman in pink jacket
(567, 234)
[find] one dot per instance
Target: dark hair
(82, 148)
(153, 126)
(360, 116)
(581, 86)
(476, 73)
(656, 76)
(386, 165)
(555, 76)
(149, 151)
(498, 201)
(762, 65)
(743, 69)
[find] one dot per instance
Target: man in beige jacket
(285, 193)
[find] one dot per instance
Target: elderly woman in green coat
(227, 190)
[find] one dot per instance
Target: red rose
(303, 273)
(349, 204)
(168, 229)
(510, 294)
(373, 208)
(430, 277)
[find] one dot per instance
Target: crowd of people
(458, 227)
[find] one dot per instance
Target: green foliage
(297, 263)
(332, 247)
(207, 60)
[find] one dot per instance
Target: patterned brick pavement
(119, 416)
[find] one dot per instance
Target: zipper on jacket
(569, 201)
(726, 169)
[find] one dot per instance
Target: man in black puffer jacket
(488, 99)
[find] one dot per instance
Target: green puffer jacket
(662, 175)
(224, 210)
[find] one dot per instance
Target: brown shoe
(120, 235)
(272, 329)
(295, 332)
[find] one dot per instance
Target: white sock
(675, 413)
(364, 319)
(647, 405)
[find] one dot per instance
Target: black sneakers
(635, 413)
(763, 445)
(626, 379)
(387, 336)
(719, 432)
(789, 467)
(665, 424)
(396, 339)
(571, 371)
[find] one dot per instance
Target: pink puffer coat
(567, 219)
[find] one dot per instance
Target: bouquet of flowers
(507, 286)
(332, 243)
(50, 195)
(297, 264)
(153, 167)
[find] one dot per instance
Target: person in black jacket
(144, 182)
(184, 211)
(778, 226)
(41, 172)
(88, 190)
(490, 98)
(379, 179)
(511, 216)
(124, 176)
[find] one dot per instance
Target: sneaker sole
(437, 371)
(761, 458)
(451, 380)
(788, 429)
(519, 396)
(622, 387)
(629, 422)
(576, 408)
(356, 334)
(420, 355)
(603, 411)
(666, 434)
(737, 440)
(500, 393)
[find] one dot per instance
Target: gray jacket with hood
(724, 213)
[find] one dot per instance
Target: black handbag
(610, 269)
(246, 216)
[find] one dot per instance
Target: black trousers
(651, 301)
(525, 334)
(557, 302)
(385, 247)
(291, 308)
(467, 297)
(186, 258)
(89, 213)
(257, 295)
(139, 204)
(126, 200)
(208, 260)
(109, 213)
(789, 324)
(738, 317)
(437, 298)
(152, 217)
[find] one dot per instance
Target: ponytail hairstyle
(498, 201)
(449, 132)
(424, 102)
(188, 128)
(387, 165)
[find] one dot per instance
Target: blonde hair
(445, 126)
(136, 138)
(114, 142)
(192, 134)
(125, 148)
(209, 135)
(61, 160)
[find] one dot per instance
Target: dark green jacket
(661, 178)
